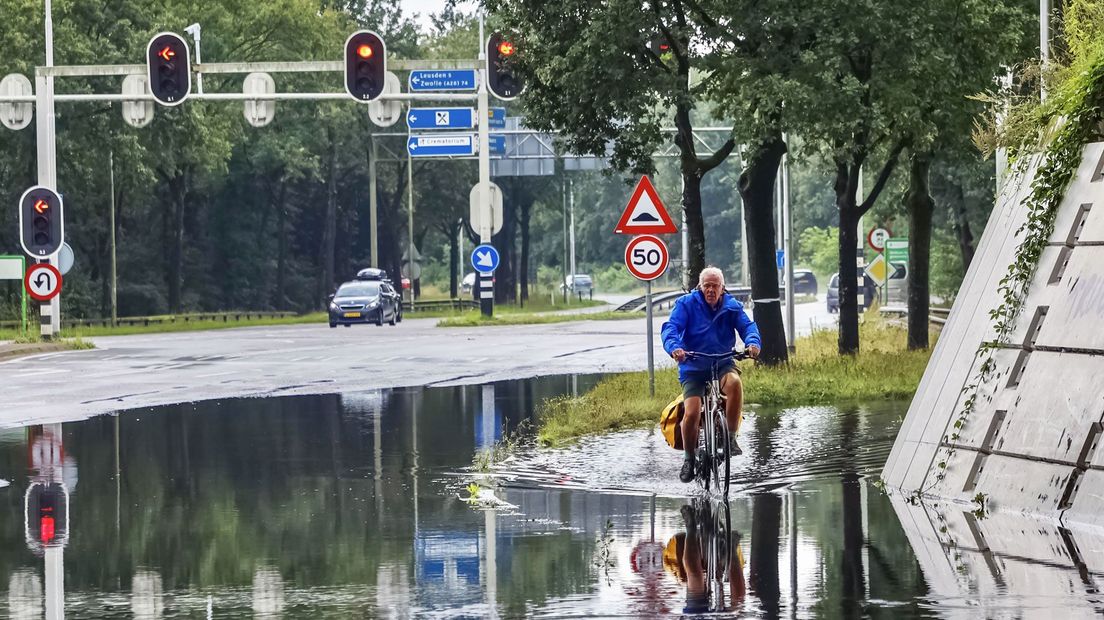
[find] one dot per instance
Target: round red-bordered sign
(42, 281)
(646, 257)
(876, 238)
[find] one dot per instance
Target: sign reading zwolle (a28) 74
(646, 257)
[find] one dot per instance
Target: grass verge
(475, 319)
(816, 375)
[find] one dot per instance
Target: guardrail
(667, 299)
(441, 304)
(937, 316)
(130, 321)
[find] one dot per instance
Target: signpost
(497, 144)
(897, 250)
(440, 118)
(442, 79)
(42, 281)
(441, 145)
(13, 268)
(646, 256)
(485, 258)
(877, 238)
(496, 118)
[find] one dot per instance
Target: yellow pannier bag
(669, 423)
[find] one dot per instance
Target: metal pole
(114, 263)
(410, 224)
(486, 282)
(197, 33)
(787, 249)
(860, 257)
(50, 311)
(651, 353)
(745, 271)
(571, 214)
(1044, 44)
(686, 283)
(372, 202)
(563, 194)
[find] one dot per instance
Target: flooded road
(348, 506)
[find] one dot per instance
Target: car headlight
(333, 306)
(373, 305)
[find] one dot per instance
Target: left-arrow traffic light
(365, 65)
(168, 68)
(41, 227)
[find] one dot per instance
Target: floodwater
(349, 506)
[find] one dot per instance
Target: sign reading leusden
(897, 249)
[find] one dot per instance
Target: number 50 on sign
(646, 257)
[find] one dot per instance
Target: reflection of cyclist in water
(687, 555)
(706, 320)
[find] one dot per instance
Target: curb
(9, 351)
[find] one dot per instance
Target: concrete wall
(1030, 443)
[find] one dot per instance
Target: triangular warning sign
(645, 215)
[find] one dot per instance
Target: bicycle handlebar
(735, 355)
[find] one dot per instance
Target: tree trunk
(329, 227)
(757, 191)
(454, 259)
(178, 189)
(766, 526)
(695, 224)
(920, 207)
(281, 248)
(962, 226)
(524, 270)
(848, 271)
(505, 283)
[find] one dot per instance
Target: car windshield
(582, 280)
(835, 282)
(359, 289)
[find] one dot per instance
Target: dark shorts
(695, 382)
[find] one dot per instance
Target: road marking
(215, 374)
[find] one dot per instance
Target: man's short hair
(710, 270)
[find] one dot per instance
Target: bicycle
(713, 433)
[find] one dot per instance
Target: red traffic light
(166, 53)
(168, 68)
(41, 206)
(506, 48)
(365, 65)
(364, 51)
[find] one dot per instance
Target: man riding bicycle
(706, 320)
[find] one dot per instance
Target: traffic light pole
(50, 312)
(486, 280)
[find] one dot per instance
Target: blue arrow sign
(497, 144)
(497, 118)
(440, 118)
(484, 258)
(442, 79)
(446, 145)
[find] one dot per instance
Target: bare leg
(734, 393)
(690, 417)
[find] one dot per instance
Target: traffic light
(365, 65)
(169, 68)
(46, 521)
(502, 77)
(659, 45)
(41, 228)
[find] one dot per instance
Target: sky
(427, 7)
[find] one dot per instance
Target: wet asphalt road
(127, 372)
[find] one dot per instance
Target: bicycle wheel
(708, 462)
(722, 460)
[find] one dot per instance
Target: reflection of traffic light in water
(46, 508)
(706, 557)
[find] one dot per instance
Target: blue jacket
(694, 326)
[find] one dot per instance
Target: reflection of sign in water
(451, 559)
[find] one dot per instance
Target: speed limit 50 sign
(646, 257)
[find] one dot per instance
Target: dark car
(365, 301)
(833, 292)
(805, 282)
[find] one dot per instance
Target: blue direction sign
(440, 118)
(484, 258)
(497, 118)
(497, 144)
(442, 79)
(447, 145)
